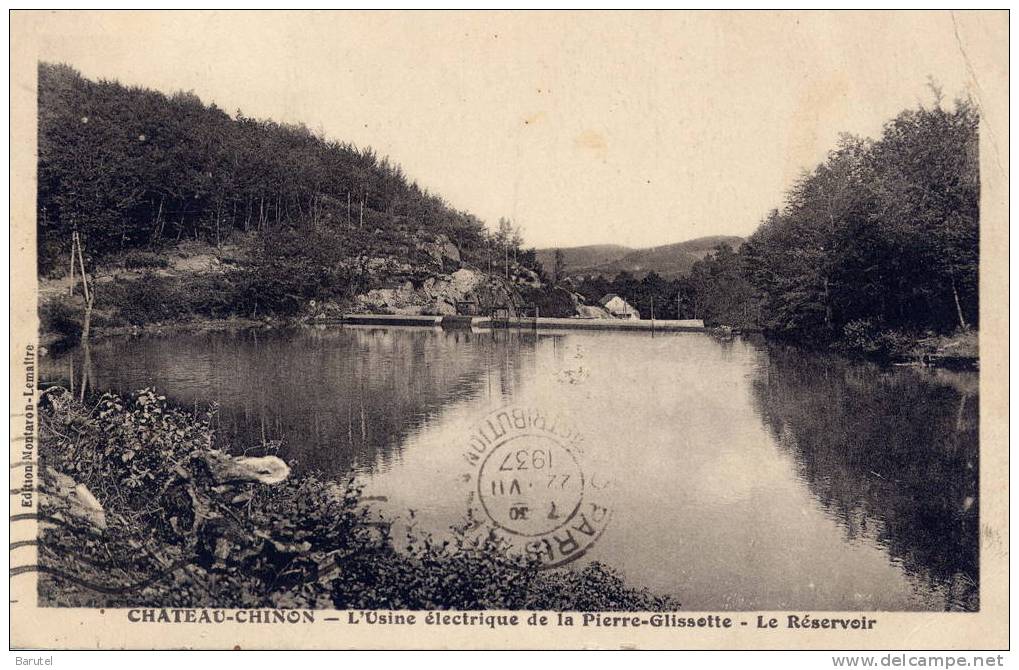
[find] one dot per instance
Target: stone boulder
(390, 299)
(227, 469)
(593, 312)
(441, 251)
(64, 499)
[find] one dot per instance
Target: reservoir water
(744, 476)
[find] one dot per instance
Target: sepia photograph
(403, 323)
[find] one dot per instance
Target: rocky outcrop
(401, 299)
(442, 251)
(481, 293)
(440, 294)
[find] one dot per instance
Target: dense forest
(878, 242)
(132, 168)
(885, 232)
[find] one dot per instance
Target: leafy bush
(62, 317)
(135, 260)
(866, 338)
(145, 300)
(151, 299)
(126, 449)
(213, 296)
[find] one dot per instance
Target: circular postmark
(530, 483)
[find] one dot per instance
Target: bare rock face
(482, 291)
(454, 287)
(389, 298)
(593, 312)
(450, 252)
(439, 308)
(442, 251)
(235, 469)
(65, 499)
(559, 302)
(444, 292)
(440, 294)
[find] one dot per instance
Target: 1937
(526, 459)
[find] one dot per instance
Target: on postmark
(528, 481)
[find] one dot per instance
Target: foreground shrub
(152, 298)
(61, 317)
(134, 260)
(268, 290)
(145, 300)
(866, 338)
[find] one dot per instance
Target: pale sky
(630, 128)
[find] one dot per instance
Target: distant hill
(668, 260)
(582, 257)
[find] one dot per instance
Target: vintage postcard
(471, 330)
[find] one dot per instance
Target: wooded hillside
(132, 168)
(883, 234)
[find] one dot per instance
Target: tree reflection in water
(891, 454)
(338, 400)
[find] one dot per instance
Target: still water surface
(744, 476)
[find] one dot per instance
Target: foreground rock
(226, 469)
(66, 500)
